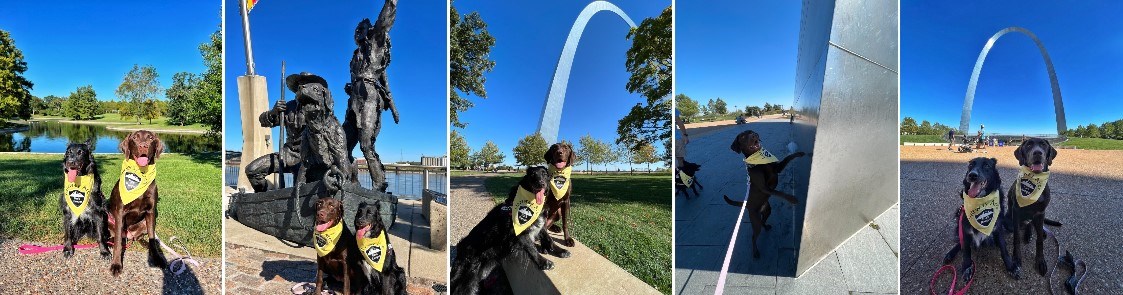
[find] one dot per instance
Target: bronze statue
(286, 160)
(368, 90)
(321, 156)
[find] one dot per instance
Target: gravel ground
(87, 273)
(247, 274)
(1086, 189)
(470, 202)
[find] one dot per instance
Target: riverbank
(114, 122)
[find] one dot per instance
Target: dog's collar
(325, 241)
(559, 181)
(77, 194)
(1029, 186)
(983, 212)
(760, 157)
(526, 209)
(374, 250)
(134, 180)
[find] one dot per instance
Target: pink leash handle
(954, 275)
(32, 249)
(179, 264)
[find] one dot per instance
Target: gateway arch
(965, 119)
(555, 98)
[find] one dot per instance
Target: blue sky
(69, 44)
(529, 38)
(319, 38)
(941, 40)
(741, 51)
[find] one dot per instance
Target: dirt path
(87, 273)
(470, 202)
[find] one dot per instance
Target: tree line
(909, 127)
(529, 150)
(1106, 130)
(690, 108)
(192, 98)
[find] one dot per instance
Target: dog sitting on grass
(82, 203)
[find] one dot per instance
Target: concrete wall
(846, 98)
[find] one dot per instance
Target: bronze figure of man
(368, 90)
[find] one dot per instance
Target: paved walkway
(1085, 187)
(256, 261)
(584, 272)
(865, 263)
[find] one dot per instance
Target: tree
(1107, 130)
(1093, 131)
(206, 96)
(54, 105)
(623, 154)
(593, 151)
(645, 154)
(489, 154)
(753, 110)
(649, 62)
(469, 59)
(687, 107)
(82, 104)
(152, 110)
(459, 149)
(720, 107)
(179, 98)
(15, 90)
(925, 128)
(1079, 132)
(530, 149)
(139, 86)
(908, 126)
(767, 107)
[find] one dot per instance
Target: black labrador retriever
(1030, 196)
(82, 202)
(981, 185)
(493, 239)
(763, 179)
(686, 178)
(391, 279)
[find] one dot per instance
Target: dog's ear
(89, 143)
(994, 162)
(572, 158)
(124, 146)
(159, 146)
(1052, 154)
(736, 145)
(1019, 153)
(550, 151)
(90, 165)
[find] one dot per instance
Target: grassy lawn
(115, 120)
(923, 139)
(189, 202)
(625, 218)
(1094, 143)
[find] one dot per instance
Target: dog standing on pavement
(336, 255)
(1029, 196)
(82, 202)
(686, 178)
(763, 179)
(982, 219)
(560, 158)
(376, 255)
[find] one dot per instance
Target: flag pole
(246, 37)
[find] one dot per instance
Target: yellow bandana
(1029, 186)
(77, 194)
(983, 212)
(685, 179)
(325, 241)
(134, 180)
(526, 209)
(374, 250)
(761, 157)
(559, 181)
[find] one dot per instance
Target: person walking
(681, 139)
(951, 138)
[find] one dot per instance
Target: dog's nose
(1037, 153)
(973, 176)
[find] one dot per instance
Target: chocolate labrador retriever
(336, 254)
(763, 179)
(132, 205)
(82, 202)
(560, 157)
(1030, 196)
(982, 218)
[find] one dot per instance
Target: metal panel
(846, 98)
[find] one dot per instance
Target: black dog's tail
(732, 202)
(1052, 222)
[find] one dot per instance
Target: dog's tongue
(142, 161)
(363, 232)
(71, 175)
(560, 165)
(974, 190)
(540, 197)
(323, 227)
(1037, 168)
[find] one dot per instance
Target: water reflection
(53, 137)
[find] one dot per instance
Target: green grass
(625, 218)
(160, 124)
(923, 139)
(189, 207)
(1093, 143)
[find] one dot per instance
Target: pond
(52, 136)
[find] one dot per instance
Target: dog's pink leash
(954, 275)
(720, 289)
(181, 261)
(32, 249)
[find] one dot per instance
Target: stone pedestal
(438, 223)
(253, 98)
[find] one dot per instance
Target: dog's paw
(569, 242)
(561, 253)
(67, 252)
(967, 273)
(767, 227)
(546, 265)
(1017, 273)
(115, 269)
(105, 254)
(1041, 267)
(555, 228)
